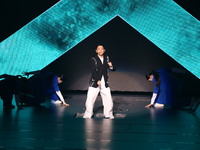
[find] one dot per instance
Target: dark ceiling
(17, 13)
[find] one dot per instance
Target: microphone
(108, 59)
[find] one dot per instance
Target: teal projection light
(57, 30)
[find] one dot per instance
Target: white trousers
(106, 99)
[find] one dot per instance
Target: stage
(55, 127)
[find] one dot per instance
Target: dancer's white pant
(106, 99)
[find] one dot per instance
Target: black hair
(156, 76)
(99, 45)
(61, 76)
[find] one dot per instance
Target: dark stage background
(17, 13)
(132, 54)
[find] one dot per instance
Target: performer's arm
(61, 98)
(153, 98)
(31, 72)
(4, 76)
(110, 65)
(57, 89)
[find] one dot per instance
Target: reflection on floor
(55, 127)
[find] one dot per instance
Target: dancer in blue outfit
(45, 84)
(167, 88)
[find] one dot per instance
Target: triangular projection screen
(162, 27)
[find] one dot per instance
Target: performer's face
(150, 78)
(59, 80)
(100, 50)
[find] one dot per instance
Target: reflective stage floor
(55, 127)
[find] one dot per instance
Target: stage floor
(54, 127)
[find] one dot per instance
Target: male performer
(99, 83)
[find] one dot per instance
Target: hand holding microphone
(109, 63)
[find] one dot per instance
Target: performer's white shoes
(158, 105)
(56, 102)
(86, 117)
(112, 117)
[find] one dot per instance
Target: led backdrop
(56, 31)
(130, 52)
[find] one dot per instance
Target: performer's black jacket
(99, 70)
